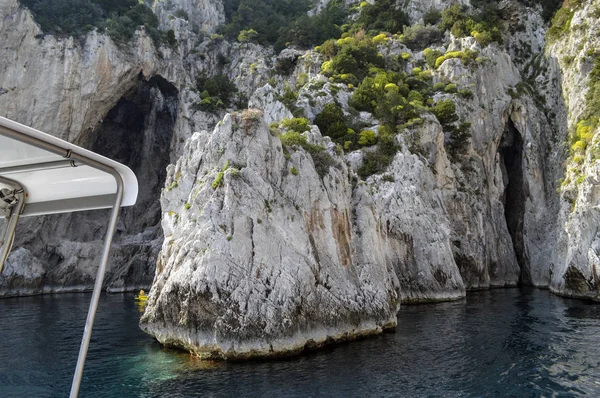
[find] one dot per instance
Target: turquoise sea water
(499, 343)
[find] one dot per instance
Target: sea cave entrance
(514, 196)
(138, 132)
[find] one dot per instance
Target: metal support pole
(89, 323)
(78, 158)
(38, 166)
(13, 213)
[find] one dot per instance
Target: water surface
(499, 343)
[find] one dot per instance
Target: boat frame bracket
(12, 203)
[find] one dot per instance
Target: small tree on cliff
(247, 36)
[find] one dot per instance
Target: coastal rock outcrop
(268, 240)
(253, 227)
(435, 224)
(265, 252)
(576, 50)
(132, 103)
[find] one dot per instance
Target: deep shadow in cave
(138, 132)
(511, 153)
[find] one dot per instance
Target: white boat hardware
(41, 174)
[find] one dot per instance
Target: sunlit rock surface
(260, 250)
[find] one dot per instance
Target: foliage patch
(120, 18)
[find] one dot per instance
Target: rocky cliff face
(269, 245)
(131, 103)
(576, 51)
(431, 227)
(428, 228)
(254, 252)
(62, 87)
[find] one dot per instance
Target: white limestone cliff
(575, 269)
(263, 250)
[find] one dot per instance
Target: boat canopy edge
(58, 176)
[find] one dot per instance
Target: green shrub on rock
(354, 57)
(467, 57)
(439, 86)
(321, 159)
(445, 112)
(451, 88)
(332, 122)
(561, 23)
(367, 138)
(218, 181)
(431, 56)
(484, 25)
(293, 138)
(299, 125)
(459, 141)
(375, 162)
(419, 36)
(215, 92)
(365, 96)
(383, 15)
(432, 16)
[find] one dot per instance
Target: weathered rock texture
(201, 15)
(246, 258)
(132, 103)
(265, 250)
(575, 270)
(269, 260)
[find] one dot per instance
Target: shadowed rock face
(138, 132)
(511, 154)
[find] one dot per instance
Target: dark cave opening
(511, 152)
(138, 132)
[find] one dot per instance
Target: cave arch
(138, 132)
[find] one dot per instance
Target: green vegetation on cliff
(283, 22)
(592, 99)
(549, 7)
(293, 139)
(216, 92)
(120, 18)
(397, 98)
(308, 31)
(581, 138)
(484, 24)
(383, 15)
(266, 17)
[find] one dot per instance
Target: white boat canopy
(59, 182)
(41, 174)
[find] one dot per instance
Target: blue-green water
(521, 343)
